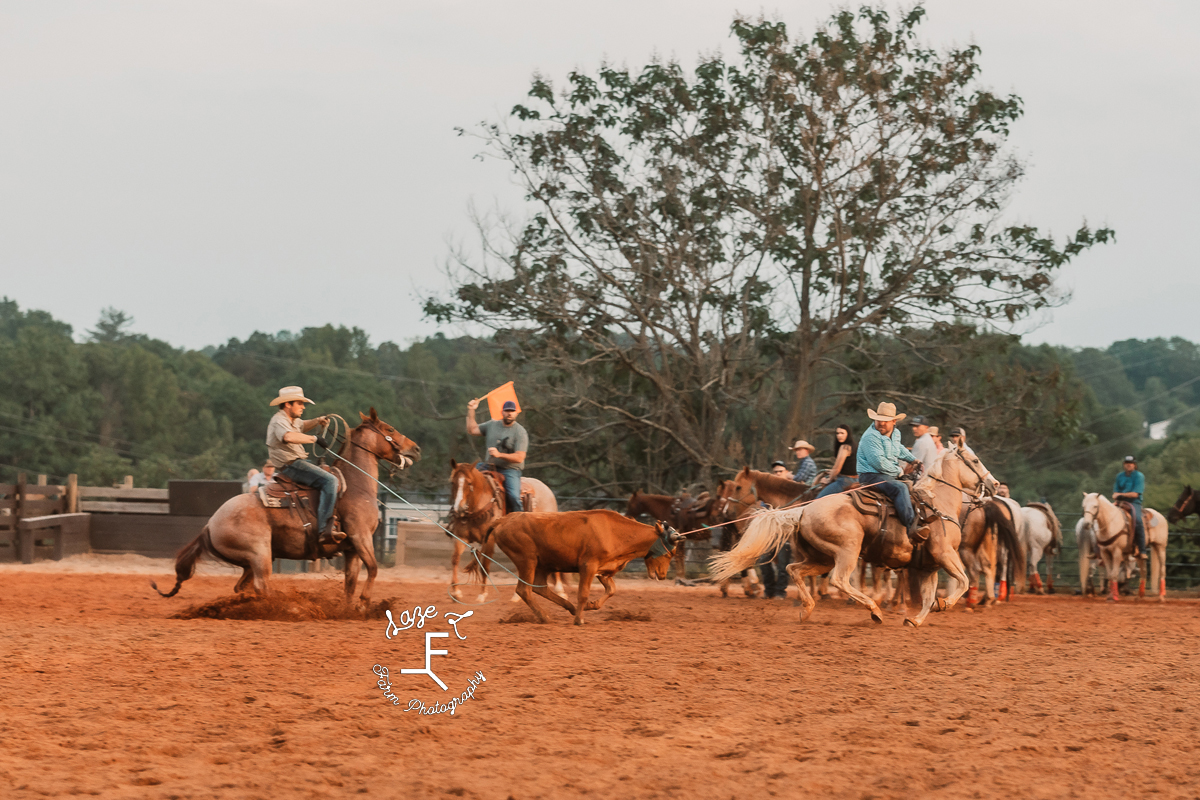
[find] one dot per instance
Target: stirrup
(331, 535)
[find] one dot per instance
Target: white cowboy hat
(885, 413)
(289, 393)
(801, 444)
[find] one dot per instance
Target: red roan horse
(244, 533)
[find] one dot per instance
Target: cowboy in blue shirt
(1129, 486)
(879, 455)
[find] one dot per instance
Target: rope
(778, 510)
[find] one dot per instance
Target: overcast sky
(219, 167)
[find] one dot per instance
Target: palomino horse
(829, 535)
(475, 501)
(1114, 541)
(244, 533)
(996, 521)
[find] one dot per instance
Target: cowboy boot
(331, 534)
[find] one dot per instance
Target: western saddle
(497, 482)
(1127, 510)
(890, 535)
(281, 492)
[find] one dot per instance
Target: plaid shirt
(806, 471)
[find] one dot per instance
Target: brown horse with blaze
(597, 543)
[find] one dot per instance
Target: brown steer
(595, 543)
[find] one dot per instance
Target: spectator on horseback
(936, 435)
(507, 442)
(808, 468)
(879, 455)
(286, 435)
(845, 463)
(958, 438)
(780, 470)
(1129, 486)
(923, 448)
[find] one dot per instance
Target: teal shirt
(1133, 482)
(882, 454)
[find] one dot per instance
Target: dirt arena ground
(667, 692)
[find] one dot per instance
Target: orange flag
(498, 397)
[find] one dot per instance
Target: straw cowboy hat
(802, 445)
(289, 393)
(885, 413)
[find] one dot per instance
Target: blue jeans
(1139, 527)
(838, 484)
(310, 475)
(512, 484)
(774, 571)
(896, 491)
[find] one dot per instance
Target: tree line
(119, 403)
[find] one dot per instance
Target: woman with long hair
(845, 462)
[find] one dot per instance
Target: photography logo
(416, 618)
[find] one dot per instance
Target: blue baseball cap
(509, 405)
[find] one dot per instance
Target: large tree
(691, 234)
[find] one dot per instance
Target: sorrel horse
(244, 533)
(829, 534)
(751, 489)
(475, 501)
(1114, 540)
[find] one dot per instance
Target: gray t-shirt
(506, 439)
(279, 452)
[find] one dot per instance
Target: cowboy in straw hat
(879, 455)
(807, 470)
(286, 435)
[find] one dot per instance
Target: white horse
(1089, 558)
(1112, 540)
(1040, 534)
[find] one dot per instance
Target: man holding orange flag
(507, 442)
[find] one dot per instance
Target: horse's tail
(478, 569)
(1006, 531)
(766, 531)
(185, 562)
(1056, 541)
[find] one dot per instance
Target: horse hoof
(878, 620)
(516, 598)
(457, 593)
(578, 622)
(941, 605)
(482, 598)
(910, 623)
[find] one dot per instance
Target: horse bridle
(479, 512)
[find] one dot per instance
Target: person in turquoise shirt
(1130, 485)
(879, 455)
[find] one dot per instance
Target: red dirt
(668, 692)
